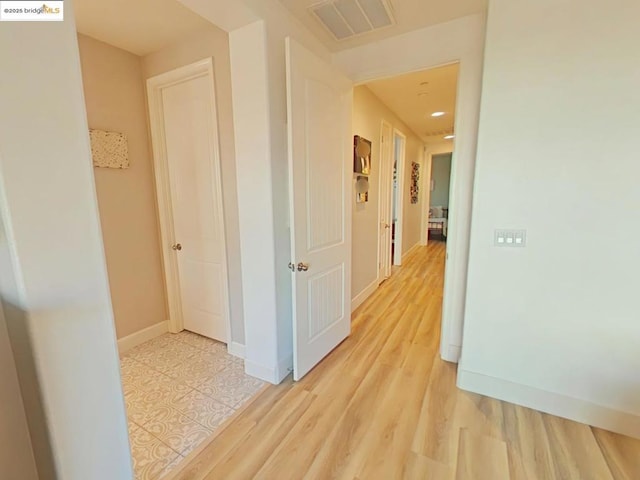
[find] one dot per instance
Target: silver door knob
(177, 246)
(303, 267)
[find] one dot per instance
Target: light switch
(510, 238)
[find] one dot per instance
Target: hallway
(384, 406)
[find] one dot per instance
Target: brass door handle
(303, 267)
(177, 246)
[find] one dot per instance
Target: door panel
(196, 202)
(323, 156)
(319, 127)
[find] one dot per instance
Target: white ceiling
(415, 96)
(149, 25)
(409, 15)
(146, 26)
(138, 26)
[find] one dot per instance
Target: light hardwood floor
(383, 405)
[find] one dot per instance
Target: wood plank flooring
(383, 405)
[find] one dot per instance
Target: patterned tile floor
(178, 389)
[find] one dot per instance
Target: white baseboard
(273, 375)
(410, 251)
(364, 294)
(553, 403)
(127, 343)
(285, 367)
(236, 349)
(451, 353)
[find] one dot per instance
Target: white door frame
(427, 188)
(426, 199)
(155, 85)
(462, 172)
(397, 249)
(386, 176)
(459, 41)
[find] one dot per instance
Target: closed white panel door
(386, 173)
(320, 166)
(190, 132)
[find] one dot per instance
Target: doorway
(438, 223)
(413, 116)
(182, 111)
(397, 210)
(385, 257)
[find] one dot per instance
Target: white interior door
(386, 172)
(320, 172)
(399, 142)
(192, 214)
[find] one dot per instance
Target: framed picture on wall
(361, 155)
(415, 182)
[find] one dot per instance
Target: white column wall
(55, 293)
(249, 75)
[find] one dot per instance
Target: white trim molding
(273, 375)
(550, 402)
(236, 349)
(398, 198)
(460, 40)
(451, 353)
(360, 298)
(130, 341)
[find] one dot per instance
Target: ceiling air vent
(348, 18)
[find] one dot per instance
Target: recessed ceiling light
(449, 137)
(437, 114)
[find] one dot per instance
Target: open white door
(319, 100)
(384, 229)
(399, 146)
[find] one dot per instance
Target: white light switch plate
(510, 238)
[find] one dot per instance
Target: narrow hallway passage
(383, 405)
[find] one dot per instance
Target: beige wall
(16, 455)
(412, 211)
(368, 113)
(115, 99)
(213, 42)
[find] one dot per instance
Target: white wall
(459, 40)
(255, 202)
(16, 454)
(368, 114)
(56, 295)
(555, 326)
